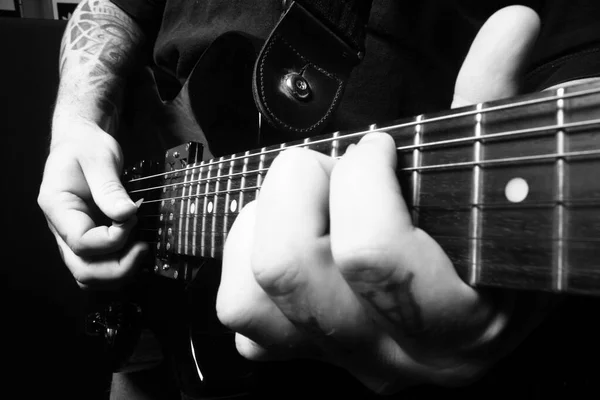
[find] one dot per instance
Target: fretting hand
(321, 266)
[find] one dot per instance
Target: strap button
(297, 86)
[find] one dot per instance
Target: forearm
(99, 49)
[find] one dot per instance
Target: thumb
(494, 62)
(108, 191)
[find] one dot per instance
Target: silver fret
(335, 145)
(475, 222)
(560, 217)
(227, 207)
(181, 241)
(243, 180)
(416, 175)
(261, 164)
(213, 229)
(306, 143)
(204, 212)
(195, 217)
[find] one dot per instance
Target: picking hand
(322, 267)
(86, 207)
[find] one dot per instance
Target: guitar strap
(303, 66)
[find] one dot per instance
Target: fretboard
(509, 189)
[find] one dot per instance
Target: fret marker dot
(192, 208)
(210, 207)
(516, 190)
(233, 206)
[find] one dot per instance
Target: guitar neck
(507, 188)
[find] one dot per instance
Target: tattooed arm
(99, 49)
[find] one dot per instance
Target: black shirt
(413, 49)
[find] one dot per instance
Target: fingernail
(139, 202)
(125, 203)
(369, 136)
(350, 147)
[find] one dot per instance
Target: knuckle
(229, 313)
(111, 187)
(277, 275)
(249, 349)
(459, 376)
(75, 245)
(366, 264)
(42, 200)
(82, 277)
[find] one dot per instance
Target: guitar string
(228, 176)
(455, 208)
(222, 235)
(251, 174)
(344, 137)
(185, 171)
(462, 209)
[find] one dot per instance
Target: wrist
(72, 127)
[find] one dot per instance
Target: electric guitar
(507, 188)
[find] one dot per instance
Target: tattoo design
(397, 304)
(100, 39)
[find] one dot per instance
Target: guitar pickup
(183, 155)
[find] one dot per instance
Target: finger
(256, 352)
(493, 66)
(108, 271)
(72, 221)
(62, 198)
(396, 268)
(242, 305)
(292, 259)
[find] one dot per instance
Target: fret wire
(227, 197)
(204, 209)
(559, 211)
(475, 225)
(335, 145)
(416, 176)
(243, 183)
(183, 216)
(215, 205)
(195, 217)
(259, 179)
(581, 93)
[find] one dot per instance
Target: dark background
(44, 354)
